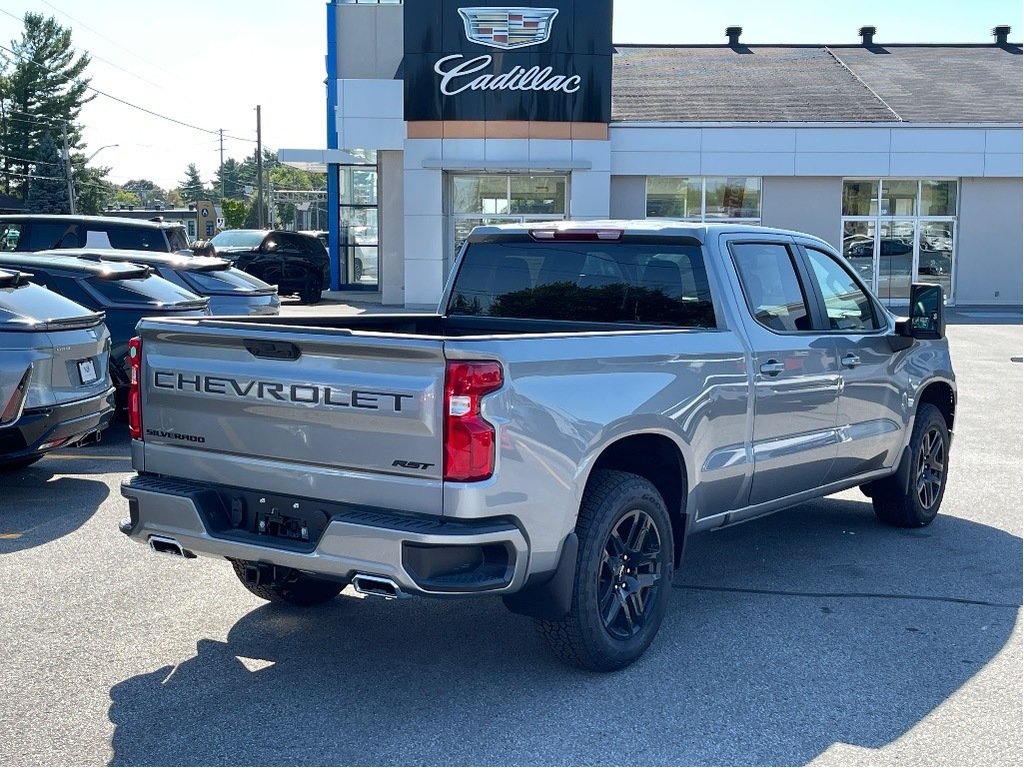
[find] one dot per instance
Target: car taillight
(12, 411)
(135, 388)
(468, 438)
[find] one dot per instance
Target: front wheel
(623, 575)
(312, 289)
(916, 505)
(291, 587)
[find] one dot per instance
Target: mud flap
(550, 599)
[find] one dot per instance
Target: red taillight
(468, 438)
(135, 388)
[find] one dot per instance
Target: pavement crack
(840, 595)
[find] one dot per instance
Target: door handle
(772, 368)
(850, 361)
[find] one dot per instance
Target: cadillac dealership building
(445, 114)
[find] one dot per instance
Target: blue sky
(210, 62)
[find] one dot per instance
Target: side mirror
(927, 317)
(927, 312)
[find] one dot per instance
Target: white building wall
(806, 204)
(989, 242)
(815, 150)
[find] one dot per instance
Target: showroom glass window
(900, 231)
(477, 199)
(358, 235)
(705, 199)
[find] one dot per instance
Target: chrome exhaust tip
(167, 546)
(377, 586)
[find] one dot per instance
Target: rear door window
(45, 235)
(136, 238)
(770, 286)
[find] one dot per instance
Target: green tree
(93, 193)
(48, 181)
(192, 188)
(147, 194)
(44, 89)
(229, 180)
(234, 213)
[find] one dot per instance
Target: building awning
(317, 160)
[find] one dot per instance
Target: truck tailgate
(317, 406)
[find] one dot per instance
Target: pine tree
(192, 188)
(48, 181)
(43, 91)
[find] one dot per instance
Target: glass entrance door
(895, 260)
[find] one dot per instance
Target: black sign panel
(488, 60)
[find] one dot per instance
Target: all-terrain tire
(623, 575)
(916, 505)
(295, 589)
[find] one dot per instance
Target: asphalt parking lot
(815, 636)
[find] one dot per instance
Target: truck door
(870, 420)
(796, 383)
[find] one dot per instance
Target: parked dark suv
(294, 262)
(45, 232)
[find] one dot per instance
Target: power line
(136, 106)
(99, 34)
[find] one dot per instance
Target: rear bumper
(422, 555)
(43, 429)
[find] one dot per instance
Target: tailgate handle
(274, 350)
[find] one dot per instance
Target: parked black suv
(45, 232)
(294, 262)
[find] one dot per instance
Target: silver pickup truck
(587, 396)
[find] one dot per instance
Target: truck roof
(113, 270)
(629, 227)
(107, 220)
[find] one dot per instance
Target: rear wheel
(312, 289)
(289, 586)
(917, 505)
(623, 575)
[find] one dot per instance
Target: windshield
(238, 238)
(602, 282)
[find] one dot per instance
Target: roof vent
(867, 35)
(1001, 34)
(734, 34)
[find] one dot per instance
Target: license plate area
(87, 371)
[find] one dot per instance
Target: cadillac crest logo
(508, 28)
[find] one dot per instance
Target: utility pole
(67, 169)
(259, 169)
(222, 162)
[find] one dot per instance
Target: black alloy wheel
(630, 574)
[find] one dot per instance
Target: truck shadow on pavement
(37, 507)
(784, 636)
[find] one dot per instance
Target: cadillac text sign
(496, 61)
